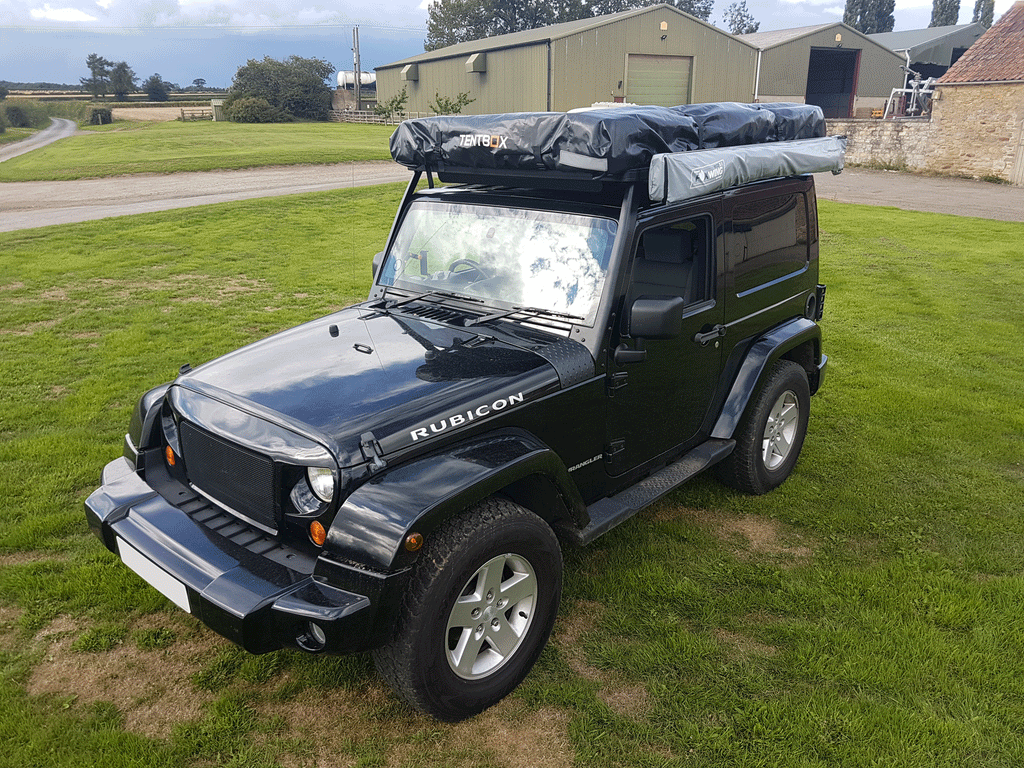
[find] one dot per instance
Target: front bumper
(260, 599)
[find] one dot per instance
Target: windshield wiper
(430, 294)
(535, 311)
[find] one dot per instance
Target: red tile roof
(997, 56)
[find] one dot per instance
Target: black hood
(357, 371)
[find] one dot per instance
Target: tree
(99, 75)
(457, 21)
(870, 16)
(983, 12)
(122, 80)
(393, 107)
(3, 92)
(156, 89)
(945, 13)
(739, 21)
(199, 83)
(297, 86)
(442, 105)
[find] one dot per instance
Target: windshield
(556, 262)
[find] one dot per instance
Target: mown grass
(170, 147)
(869, 612)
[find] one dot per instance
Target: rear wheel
(771, 434)
(478, 611)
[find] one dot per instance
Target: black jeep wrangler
(598, 306)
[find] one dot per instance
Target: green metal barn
(845, 73)
(653, 55)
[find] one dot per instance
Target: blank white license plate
(156, 576)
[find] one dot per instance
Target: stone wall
(974, 130)
(979, 130)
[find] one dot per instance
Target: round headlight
(321, 481)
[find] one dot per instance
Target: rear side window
(770, 241)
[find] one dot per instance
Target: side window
(674, 260)
(769, 241)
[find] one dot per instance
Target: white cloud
(46, 13)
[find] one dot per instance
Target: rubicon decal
(465, 417)
(483, 140)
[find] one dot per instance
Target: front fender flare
(375, 519)
(759, 358)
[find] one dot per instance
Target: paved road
(29, 204)
(25, 205)
(911, 192)
(58, 129)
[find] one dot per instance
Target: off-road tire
(415, 662)
(747, 468)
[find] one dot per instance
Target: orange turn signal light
(317, 533)
(169, 455)
(414, 541)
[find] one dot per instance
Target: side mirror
(658, 317)
(378, 259)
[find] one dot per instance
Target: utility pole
(358, 73)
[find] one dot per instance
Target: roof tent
(619, 144)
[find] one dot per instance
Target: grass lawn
(174, 146)
(868, 613)
(12, 135)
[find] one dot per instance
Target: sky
(183, 40)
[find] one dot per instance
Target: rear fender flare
(759, 359)
(372, 524)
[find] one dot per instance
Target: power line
(216, 27)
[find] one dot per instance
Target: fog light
(312, 639)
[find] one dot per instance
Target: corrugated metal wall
(515, 81)
(586, 67)
(784, 68)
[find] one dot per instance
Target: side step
(609, 512)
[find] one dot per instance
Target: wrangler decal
(454, 420)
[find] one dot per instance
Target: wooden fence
(353, 116)
(196, 114)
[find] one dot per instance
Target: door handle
(704, 339)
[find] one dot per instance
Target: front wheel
(771, 434)
(478, 611)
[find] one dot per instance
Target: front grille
(240, 479)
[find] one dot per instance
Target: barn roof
(540, 35)
(933, 45)
(998, 56)
(765, 40)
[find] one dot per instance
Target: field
(870, 612)
(170, 147)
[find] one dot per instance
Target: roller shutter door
(660, 80)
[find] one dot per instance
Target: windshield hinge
(617, 381)
(371, 451)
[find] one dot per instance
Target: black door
(658, 404)
(831, 80)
